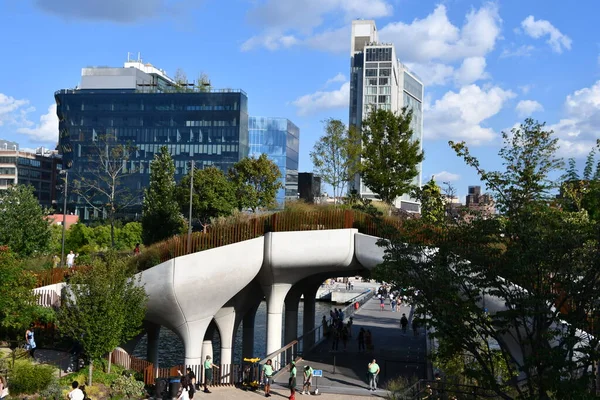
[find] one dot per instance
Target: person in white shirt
(76, 393)
(70, 259)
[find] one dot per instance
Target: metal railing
(443, 390)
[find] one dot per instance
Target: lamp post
(64, 223)
(189, 243)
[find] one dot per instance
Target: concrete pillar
(291, 321)
(225, 320)
(308, 323)
(153, 331)
(192, 334)
(248, 333)
(275, 295)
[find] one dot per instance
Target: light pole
(189, 243)
(64, 223)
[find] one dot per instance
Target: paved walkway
(398, 354)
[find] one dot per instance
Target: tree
(390, 154)
(23, 224)
(17, 301)
(203, 83)
(514, 293)
(161, 217)
(214, 195)
(336, 154)
(256, 182)
(433, 209)
(102, 185)
(104, 307)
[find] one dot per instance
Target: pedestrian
(393, 303)
(268, 373)
(361, 339)
(381, 303)
(341, 315)
(308, 373)
(136, 250)
(373, 371)
(55, 261)
(344, 335)
(403, 323)
(76, 393)
(30, 341)
(183, 393)
(192, 381)
(336, 339)
(70, 259)
(3, 389)
(292, 380)
(208, 373)
(350, 323)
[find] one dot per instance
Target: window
(384, 72)
(384, 81)
(372, 82)
(384, 99)
(371, 89)
(385, 90)
(370, 99)
(371, 72)
(8, 160)
(7, 171)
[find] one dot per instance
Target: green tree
(390, 154)
(104, 307)
(433, 208)
(103, 186)
(129, 235)
(79, 236)
(17, 301)
(256, 182)
(161, 217)
(335, 156)
(512, 293)
(23, 224)
(214, 195)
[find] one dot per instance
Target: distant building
(39, 169)
(8, 145)
(482, 203)
(279, 139)
(309, 187)
(141, 105)
(378, 80)
(57, 219)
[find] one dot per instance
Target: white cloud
(525, 88)
(541, 27)
(446, 176)
(459, 116)
(46, 130)
(436, 38)
(580, 129)
(432, 73)
(269, 41)
(521, 51)
(527, 107)
(338, 78)
(332, 41)
(11, 109)
(323, 100)
(471, 70)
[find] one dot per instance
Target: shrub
(128, 386)
(397, 385)
(28, 378)
(54, 391)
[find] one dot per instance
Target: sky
(486, 65)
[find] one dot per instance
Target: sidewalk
(396, 353)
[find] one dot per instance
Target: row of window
(380, 81)
(29, 161)
(382, 72)
(8, 160)
(7, 171)
(157, 107)
(30, 173)
(378, 99)
(382, 90)
(379, 54)
(212, 123)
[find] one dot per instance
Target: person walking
(292, 380)
(404, 323)
(192, 381)
(208, 373)
(183, 393)
(373, 370)
(30, 341)
(70, 259)
(308, 373)
(381, 303)
(268, 373)
(361, 339)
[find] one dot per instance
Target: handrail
(277, 352)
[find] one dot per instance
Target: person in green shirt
(373, 375)
(268, 373)
(308, 373)
(292, 380)
(208, 373)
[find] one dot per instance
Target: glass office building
(279, 139)
(137, 105)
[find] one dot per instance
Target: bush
(398, 385)
(28, 378)
(53, 391)
(128, 386)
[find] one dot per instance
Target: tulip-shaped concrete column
(248, 333)
(153, 331)
(275, 295)
(291, 314)
(225, 320)
(308, 322)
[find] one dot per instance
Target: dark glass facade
(210, 128)
(279, 139)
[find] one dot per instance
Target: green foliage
(583, 194)
(129, 235)
(17, 302)
(128, 386)
(104, 308)
(161, 217)
(28, 378)
(536, 266)
(390, 154)
(53, 391)
(23, 226)
(213, 197)
(335, 156)
(398, 385)
(433, 208)
(256, 182)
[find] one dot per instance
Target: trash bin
(174, 383)
(160, 388)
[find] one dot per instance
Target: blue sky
(486, 65)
